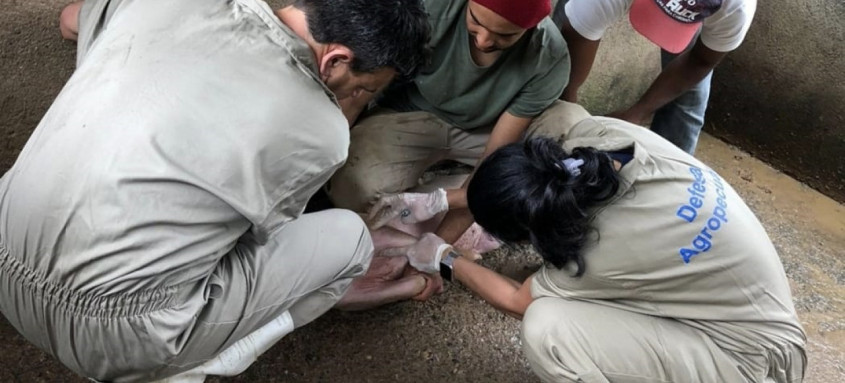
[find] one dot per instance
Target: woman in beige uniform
(655, 269)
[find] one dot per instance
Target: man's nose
(483, 40)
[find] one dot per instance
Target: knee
(350, 188)
(69, 21)
(349, 229)
(558, 119)
(537, 323)
(543, 337)
(346, 222)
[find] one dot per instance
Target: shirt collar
(300, 51)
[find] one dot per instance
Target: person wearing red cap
(694, 36)
(496, 66)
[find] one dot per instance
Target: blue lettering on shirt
(688, 211)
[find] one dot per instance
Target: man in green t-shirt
(496, 65)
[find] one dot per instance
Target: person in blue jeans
(694, 36)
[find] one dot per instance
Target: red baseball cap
(523, 13)
(671, 24)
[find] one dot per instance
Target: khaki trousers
(579, 341)
(155, 334)
(389, 151)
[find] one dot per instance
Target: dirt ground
(455, 336)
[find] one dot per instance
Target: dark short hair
(523, 191)
(380, 33)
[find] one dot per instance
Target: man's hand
(631, 115)
(677, 77)
(388, 280)
(423, 255)
(408, 207)
(434, 284)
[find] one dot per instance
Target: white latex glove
(409, 207)
(423, 255)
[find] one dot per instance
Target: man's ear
(335, 56)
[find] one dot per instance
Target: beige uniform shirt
(186, 126)
(678, 242)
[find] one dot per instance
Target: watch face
(446, 272)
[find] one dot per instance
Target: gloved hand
(409, 207)
(423, 255)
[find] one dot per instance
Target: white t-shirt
(722, 32)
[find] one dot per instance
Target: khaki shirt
(678, 242)
(188, 126)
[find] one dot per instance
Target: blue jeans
(681, 120)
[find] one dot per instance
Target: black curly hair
(523, 191)
(381, 33)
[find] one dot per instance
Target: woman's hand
(423, 255)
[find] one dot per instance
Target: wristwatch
(447, 265)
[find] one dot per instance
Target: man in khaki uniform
(153, 220)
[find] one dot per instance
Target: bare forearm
(458, 219)
(454, 224)
(508, 129)
(457, 198)
(499, 291)
(679, 76)
(582, 53)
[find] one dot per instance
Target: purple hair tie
(573, 166)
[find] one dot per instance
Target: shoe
(239, 356)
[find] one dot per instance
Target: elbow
(703, 64)
(517, 306)
(704, 59)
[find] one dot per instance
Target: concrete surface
(793, 63)
(455, 336)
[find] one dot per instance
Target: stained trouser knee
(350, 189)
(557, 120)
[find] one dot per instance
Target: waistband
(35, 285)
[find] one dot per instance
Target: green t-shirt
(524, 81)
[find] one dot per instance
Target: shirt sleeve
(725, 30)
(591, 18)
(547, 85)
(291, 204)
